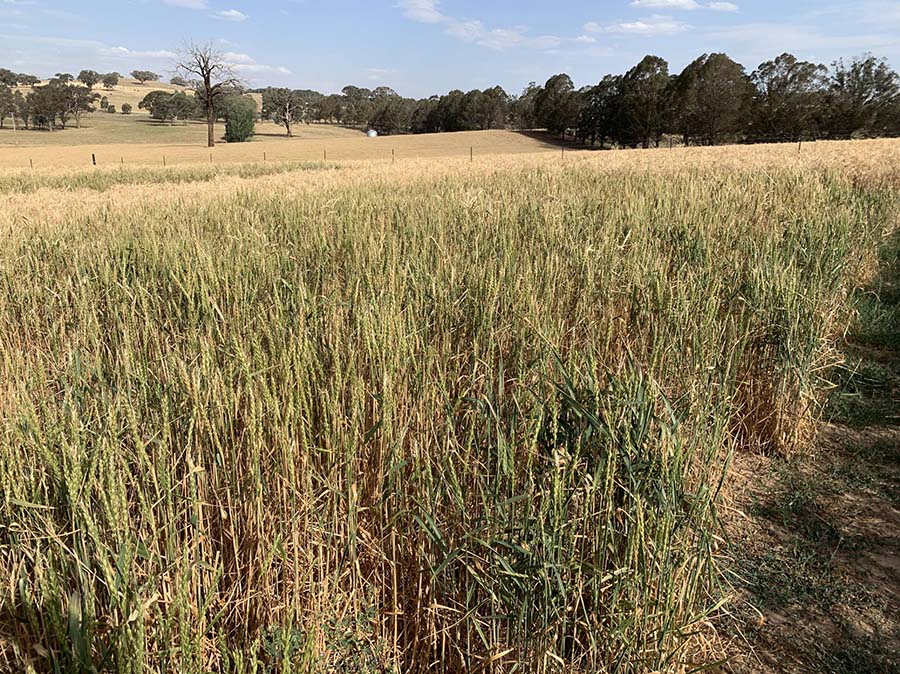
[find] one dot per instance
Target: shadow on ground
(551, 140)
(815, 540)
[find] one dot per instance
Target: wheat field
(355, 416)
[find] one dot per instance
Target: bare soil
(815, 539)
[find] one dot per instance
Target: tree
(64, 78)
(423, 114)
(76, 100)
(601, 105)
(214, 78)
(494, 108)
(644, 94)
(179, 82)
(329, 108)
(7, 104)
(166, 106)
(357, 105)
(712, 96)
(391, 112)
(863, 97)
(282, 106)
(240, 119)
(126, 108)
(523, 107)
(44, 106)
(110, 80)
(448, 114)
(143, 76)
(788, 98)
(8, 78)
(22, 113)
(556, 105)
(28, 80)
(89, 78)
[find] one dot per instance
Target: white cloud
(125, 52)
(375, 74)
(666, 4)
(473, 30)
(125, 57)
(260, 68)
(56, 41)
(425, 11)
(867, 11)
(188, 4)
(230, 15)
(685, 5)
(753, 43)
(235, 58)
(653, 26)
(244, 63)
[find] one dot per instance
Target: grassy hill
(102, 128)
(127, 91)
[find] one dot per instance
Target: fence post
(94, 159)
(210, 158)
(164, 160)
(471, 153)
(264, 157)
(31, 161)
(393, 156)
(799, 145)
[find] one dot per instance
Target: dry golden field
(311, 142)
(431, 415)
(127, 91)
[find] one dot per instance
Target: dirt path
(815, 540)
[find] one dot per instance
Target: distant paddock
(339, 148)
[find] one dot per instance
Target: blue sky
(421, 47)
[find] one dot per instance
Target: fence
(96, 157)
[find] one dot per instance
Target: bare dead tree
(214, 78)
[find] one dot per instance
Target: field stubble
(368, 418)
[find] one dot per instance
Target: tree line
(64, 97)
(713, 100)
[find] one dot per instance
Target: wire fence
(560, 146)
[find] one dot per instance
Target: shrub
(240, 119)
(104, 103)
(126, 108)
(111, 109)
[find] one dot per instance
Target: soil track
(816, 539)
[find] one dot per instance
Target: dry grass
(127, 91)
(438, 415)
(310, 144)
(102, 133)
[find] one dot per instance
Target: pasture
(362, 416)
(137, 140)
